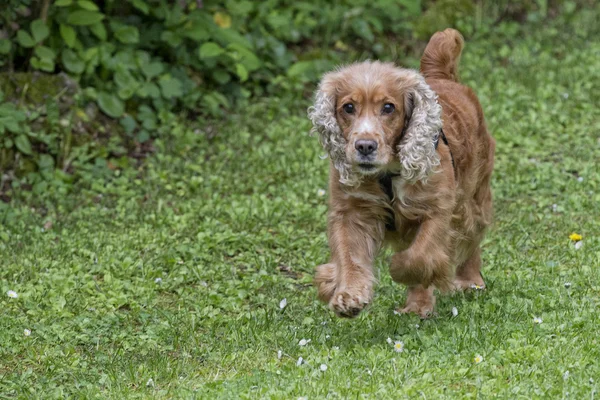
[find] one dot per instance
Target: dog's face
(371, 120)
(374, 117)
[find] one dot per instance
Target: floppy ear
(416, 150)
(322, 115)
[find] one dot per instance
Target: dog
(410, 166)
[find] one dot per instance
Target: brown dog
(411, 162)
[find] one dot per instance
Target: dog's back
(470, 142)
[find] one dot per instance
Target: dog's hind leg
(468, 274)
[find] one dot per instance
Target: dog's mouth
(367, 167)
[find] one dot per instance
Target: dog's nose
(365, 147)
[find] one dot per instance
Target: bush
(141, 60)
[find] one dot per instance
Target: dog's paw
(325, 281)
(348, 303)
(466, 285)
(420, 301)
(422, 310)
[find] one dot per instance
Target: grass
(166, 281)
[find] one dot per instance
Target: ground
(168, 281)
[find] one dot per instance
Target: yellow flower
(222, 20)
(576, 237)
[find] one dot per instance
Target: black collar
(385, 180)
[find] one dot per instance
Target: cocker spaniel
(410, 165)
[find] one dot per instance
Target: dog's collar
(385, 180)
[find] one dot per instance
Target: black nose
(365, 147)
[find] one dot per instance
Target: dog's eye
(388, 108)
(348, 108)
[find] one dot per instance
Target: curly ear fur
(322, 115)
(416, 150)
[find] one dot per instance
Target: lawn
(167, 281)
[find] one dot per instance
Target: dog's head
(373, 117)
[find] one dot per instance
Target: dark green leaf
(149, 89)
(23, 144)
(141, 5)
(128, 123)
(44, 64)
(68, 34)
(44, 52)
(99, 31)
(63, 3)
(111, 105)
(46, 161)
(242, 72)
(152, 69)
(5, 46)
(221, 76)
(170, 87)
(72, 62)
(25, 39)
(39, 30)
(209, 50)
(127, 34)
(244, 56)
(87, 5)
(84, 17)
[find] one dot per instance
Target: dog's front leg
(346, 282)
(427, 261)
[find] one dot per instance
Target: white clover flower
(566, 375)
(279, 354)
(300, 361)
(537, 320)
(388, 340)
(396, 312)
(323, 367)
(369, 372)
(321, 192)
(303, 342)
(478, 359)
(578, 245)
(327, 336)
(454, 311)
(399, 347)
(150, 382)
(580, 179)
(12, 294)
(336, 347)
(283, 303)
(27, 332)
(417, 326)
(158, 280)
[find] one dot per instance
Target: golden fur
(440, 211)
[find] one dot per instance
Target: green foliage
(137, 60)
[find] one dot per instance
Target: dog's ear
(423, 122)
(322, 115)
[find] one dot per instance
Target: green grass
(229, 218)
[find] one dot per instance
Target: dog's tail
(442, 55)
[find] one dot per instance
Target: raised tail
(442, 55)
